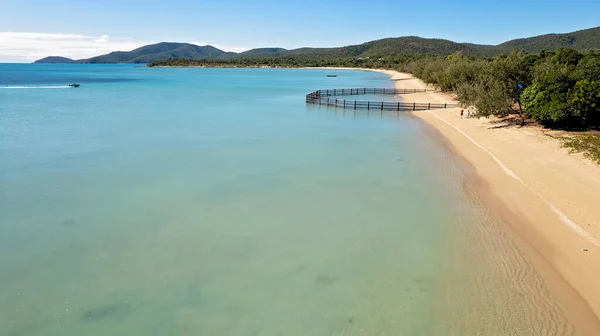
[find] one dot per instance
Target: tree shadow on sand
(511, 122)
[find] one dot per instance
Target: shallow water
(215, 202)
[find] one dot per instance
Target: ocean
(189, 201)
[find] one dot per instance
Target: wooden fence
(324, 97)
(365, 91)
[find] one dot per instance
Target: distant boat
(74, 85)
(331, 75)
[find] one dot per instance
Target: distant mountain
(54, 59)
(159, 51)
(406, 45)
(581, 40)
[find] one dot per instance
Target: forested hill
(582, 40)
(159, 51)
(54, 59)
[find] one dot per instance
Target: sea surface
(188, 201)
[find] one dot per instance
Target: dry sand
(549, 198)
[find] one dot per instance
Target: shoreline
(542, 208)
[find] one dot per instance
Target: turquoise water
(215, 202)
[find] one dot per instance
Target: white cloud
(28, 47)
(103, 39)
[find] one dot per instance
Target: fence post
(414, 106)
(445, 105)
(382, 106)
(398, 106)
(429, 106)
(364, 90)
(368, 105)
(344, 104)
(355, 105)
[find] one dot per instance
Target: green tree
(584, 98)
(567, 56)
(498, 86)
(546, 100)
(589, 67)
(545, 105)
(513, 75)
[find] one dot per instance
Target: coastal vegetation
(557, 89)
(377, 62)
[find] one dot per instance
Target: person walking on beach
(468, 113)
(461, 113)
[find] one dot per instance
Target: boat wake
(36, 87)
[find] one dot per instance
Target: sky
(32, 29)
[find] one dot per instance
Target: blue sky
(57, 26)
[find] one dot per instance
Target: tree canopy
(560, 88)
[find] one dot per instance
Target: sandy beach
(548, 198)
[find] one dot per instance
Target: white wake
(36, 87)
